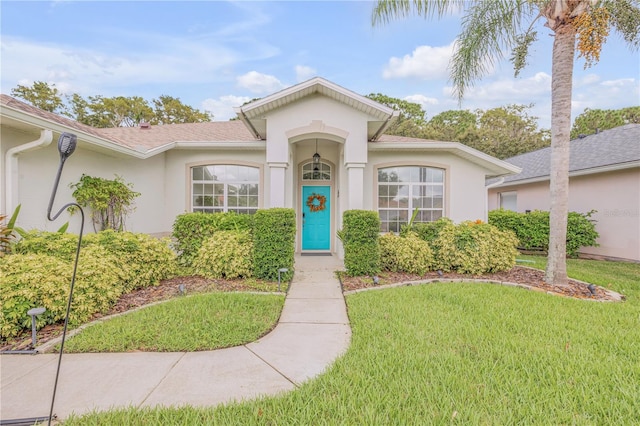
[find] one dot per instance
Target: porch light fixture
(316, 157)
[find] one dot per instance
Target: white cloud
(422, 100)
(304, 73)
(155, 60)
(425, 62)
(259, 83)
(510, 91)
(222, 108)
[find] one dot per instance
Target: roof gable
(253, 113)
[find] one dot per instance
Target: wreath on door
(316, 202)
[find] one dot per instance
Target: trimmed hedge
(191, 229)
(407, 253)
(532, 229)
(359, 235)
(274, 236)
(429, 231)
(475, 248)
(227, 254)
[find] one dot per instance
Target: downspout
(486, 199)
(384, 126)
(11, 166)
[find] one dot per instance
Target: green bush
(532, 229)
(62, 246)
(359, 236)
(34, 280)
(429, 231)
(148, 259)
(406, 253)
(226, 254)
(475, 248)
(191, 229)
(274, 243)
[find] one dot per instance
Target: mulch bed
(167, 289)
(529, 277)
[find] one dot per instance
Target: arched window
(313, 171)
(402, 189)
(225, 187)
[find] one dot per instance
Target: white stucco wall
(616, 197)
(37, 170)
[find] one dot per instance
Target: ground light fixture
(280, 271)
(66, 146)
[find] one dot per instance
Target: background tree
(411, 120)
(452, 125)
(592, 120)
(117, 111)
(507, 131)
(490, 28)
(41, 95)
(169, 110)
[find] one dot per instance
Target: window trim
(445, 187)
(189, 180)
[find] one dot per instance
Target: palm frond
(489, 30)
(388, 10)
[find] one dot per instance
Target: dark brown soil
(167, 289)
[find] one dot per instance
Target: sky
(215, 55)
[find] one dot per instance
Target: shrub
(110, 201)
(532, 229)
(475, 248)
(429, 231)
(34, 280)
(62, 246)
(359, 235)
(274, 242)
(226, 254)
(191, 229)
(406, 253)
(148, 259)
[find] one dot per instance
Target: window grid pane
(403, 189)
(222, 188)
(309, 172)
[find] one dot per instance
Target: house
(315, 147)
(604, 175)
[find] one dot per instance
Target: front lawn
(193, 323)
(463, 354)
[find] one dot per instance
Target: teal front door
(316, 218)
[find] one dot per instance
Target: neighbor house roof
(613, 149)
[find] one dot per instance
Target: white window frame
(225, 182)
(387, 225)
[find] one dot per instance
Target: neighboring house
(604, 175)
(265, 159)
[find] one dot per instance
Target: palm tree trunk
(561, 88)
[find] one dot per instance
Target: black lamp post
(66, 145)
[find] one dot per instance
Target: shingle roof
(613, 147)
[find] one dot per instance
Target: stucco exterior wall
(616, 197)
(37, 170)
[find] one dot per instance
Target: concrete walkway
(312, 332)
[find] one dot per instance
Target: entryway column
(277, 184)
(355, 177)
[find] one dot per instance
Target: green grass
(476, 354)
(192, 323)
